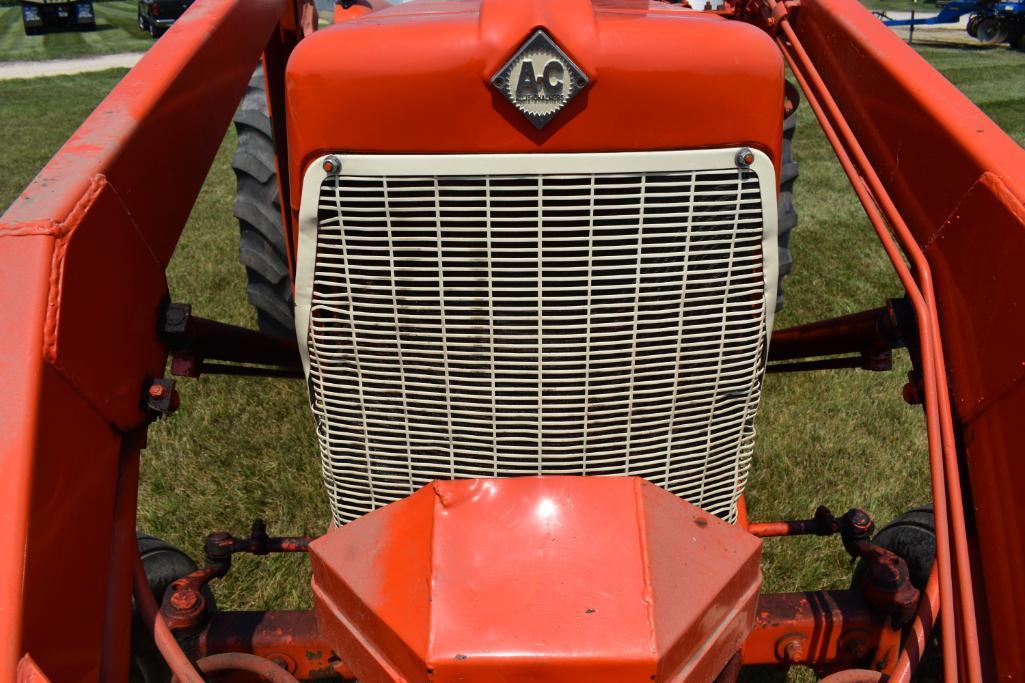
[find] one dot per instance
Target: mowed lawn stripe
(116, 32)
(967, 54)
(116, 8)
(993, 78)
(1009, 115)
(70, 43)
(128, 24)
(121, 14)
(12, 35)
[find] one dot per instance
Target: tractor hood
(537, 579)
(420, 78)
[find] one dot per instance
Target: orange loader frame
(82, 261)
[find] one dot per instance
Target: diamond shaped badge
(540, 79)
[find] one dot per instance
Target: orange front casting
(603, 580)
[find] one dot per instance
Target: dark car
(156, 16)
(38, 16)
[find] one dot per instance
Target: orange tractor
(532, 252)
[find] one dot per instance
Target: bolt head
(176, 315)
(861, 521)
(793, 651)
(185, 599)
(745, 158)
(331, 164)
(885, 574)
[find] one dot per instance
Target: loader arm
(959, 182)
(82, 259)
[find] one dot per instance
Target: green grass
(38, 115)
(900, 6)
(992, 76)
(116, 31)
(238, 448)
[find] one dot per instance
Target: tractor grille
(504, 325)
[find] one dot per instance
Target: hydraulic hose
(243, 661)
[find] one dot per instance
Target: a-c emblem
(540, 79)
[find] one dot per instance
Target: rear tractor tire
(258, 210)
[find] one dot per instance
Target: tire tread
(258, 209)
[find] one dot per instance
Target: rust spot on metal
(819, 627)
(701, 522)
(291, 638)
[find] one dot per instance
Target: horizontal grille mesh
(559, 324)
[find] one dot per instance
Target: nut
(331, 164)
(185, 599)
(790, 649)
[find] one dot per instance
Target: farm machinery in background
(40, 16)
(533, 323)
(156, 16)
(990, 21)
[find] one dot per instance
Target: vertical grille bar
(560, 323)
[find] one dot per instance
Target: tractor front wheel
(788, 172)
(912, 537)
(164, 564)
(258, 210)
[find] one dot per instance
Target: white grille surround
(507, 315)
